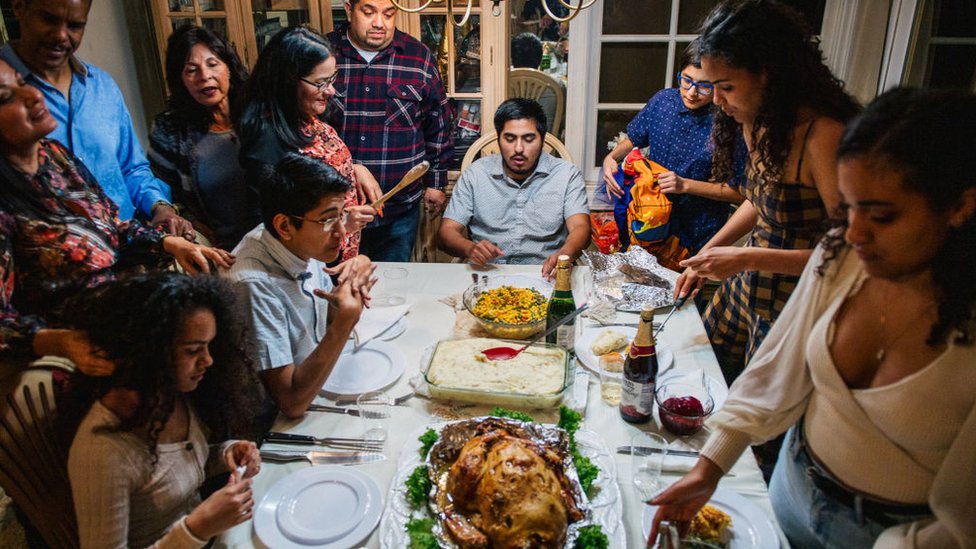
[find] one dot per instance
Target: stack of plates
(326, 507)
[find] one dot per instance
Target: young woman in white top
(140, 455)
(872, 362)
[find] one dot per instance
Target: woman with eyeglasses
(675, 126)
(193, 147)
(774, 91)
(283, 111)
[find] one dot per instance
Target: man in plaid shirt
(391, 110)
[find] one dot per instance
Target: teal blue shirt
(95, 125)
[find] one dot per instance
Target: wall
(107, 45)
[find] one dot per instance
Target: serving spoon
(508, 353)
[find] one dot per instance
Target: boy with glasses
(299, 319)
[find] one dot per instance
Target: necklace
(883, 348)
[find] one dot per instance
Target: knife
(322, 457)
(408, 178)
(645, 450)
(350, 411)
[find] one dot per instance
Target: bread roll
(608, 341)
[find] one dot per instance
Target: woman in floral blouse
(286, 98)
(60, 233)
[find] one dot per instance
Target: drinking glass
(391, 288)
(647, 453)
(374, 411)
(610, 382)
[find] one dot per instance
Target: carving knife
(322, 457)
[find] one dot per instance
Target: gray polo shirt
(274, 288)
(526, 220)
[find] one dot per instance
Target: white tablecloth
(429, 321)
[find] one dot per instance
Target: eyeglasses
(324, 83)
(704, 88)
(326, 224)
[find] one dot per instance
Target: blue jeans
(808, 516)
(392, 241)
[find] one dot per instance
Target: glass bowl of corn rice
(509, 306)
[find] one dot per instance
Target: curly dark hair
(766, 37)
(926, 136)
(180, 103)
(134, 322)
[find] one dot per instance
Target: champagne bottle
(561, 304)
(640, 373)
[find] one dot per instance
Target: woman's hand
(718, 263)
(165, 217)
(243, 453)
(359, 217)
(671, 183)
(610, 166)
(682, 501)
(194, 257)
(75, 346)
(688, 284)
(225, 508)
(367, 186)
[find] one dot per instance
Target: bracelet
(158, 203)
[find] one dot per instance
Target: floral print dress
(327, 146)
(79, 242)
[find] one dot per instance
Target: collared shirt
(393, 113)
(526, 220)
(284, 316)
(94, 124)
(678, 139)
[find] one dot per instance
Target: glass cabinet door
(211, 14)
(270, 16)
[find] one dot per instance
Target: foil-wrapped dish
(631, 280)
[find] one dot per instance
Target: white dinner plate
(751, 527)
(716, 388)
(592, 361)
(329, 507)
(369, 368)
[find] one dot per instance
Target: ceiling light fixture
(496, 9)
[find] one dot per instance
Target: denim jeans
(809, 517)
(392, 241)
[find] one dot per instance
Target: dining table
(432, 292)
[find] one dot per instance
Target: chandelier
(496, 9)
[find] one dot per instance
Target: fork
(349, 401)
(335, 442)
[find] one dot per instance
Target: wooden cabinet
(248, 24)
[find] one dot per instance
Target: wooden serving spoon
(508, 353)
(414, 174)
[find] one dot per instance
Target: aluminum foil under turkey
(631, 280)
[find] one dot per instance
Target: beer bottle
(561, 304)
(640, 373)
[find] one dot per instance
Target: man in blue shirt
(93, 121)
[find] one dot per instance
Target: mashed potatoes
(460, 364)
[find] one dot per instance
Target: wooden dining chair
(488, 144)
(533, 84)
(33, 462)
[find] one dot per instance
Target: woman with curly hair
(772, 88)
(181, 379)
(284, 110)
(870, 364)
(193, 147)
